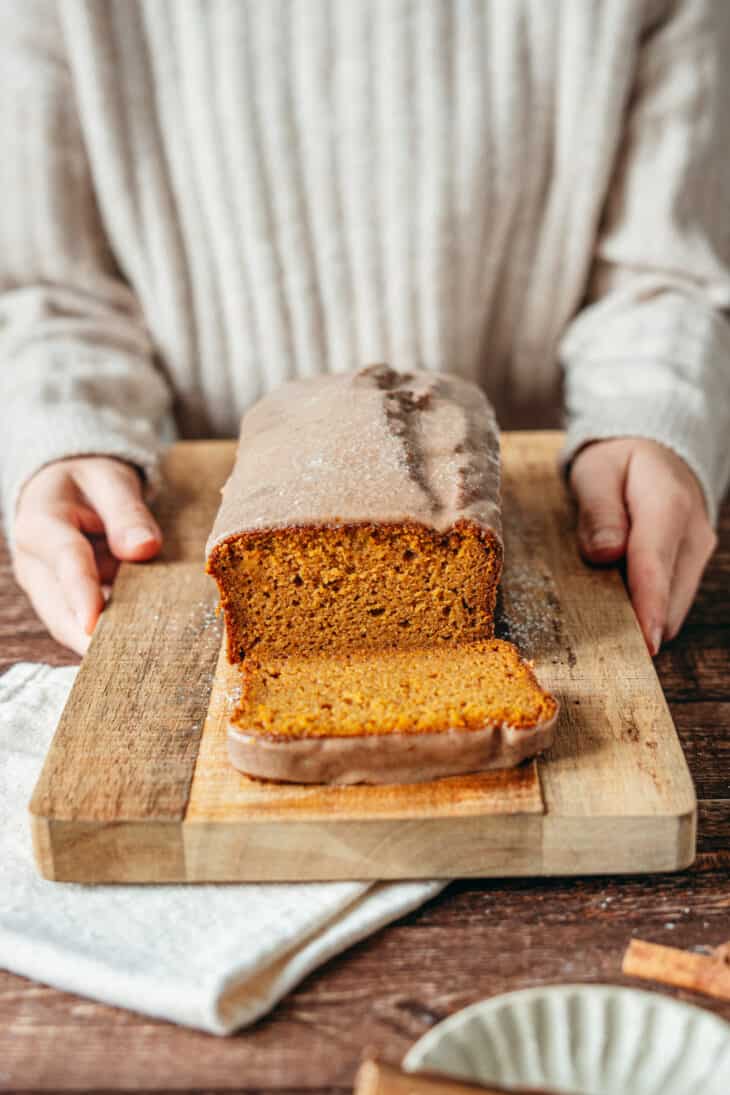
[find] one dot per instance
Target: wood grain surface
(478, 938)
(131, 791)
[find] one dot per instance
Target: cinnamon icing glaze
(373, 445)
(387, 758)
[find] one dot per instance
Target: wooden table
(475, 940)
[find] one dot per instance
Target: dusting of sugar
(234, 694)
(526, 611)
(232, 697)
(529, 611)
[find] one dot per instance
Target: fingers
(649, 580)
(107, 564)
(75, 520)
(89, 520)
(639, 495)
(598, 478)
(692, 558)
(50, 603)
(75, 570)
(51, 538)
(659, 521)
(114, 491)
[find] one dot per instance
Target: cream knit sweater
(202, 199)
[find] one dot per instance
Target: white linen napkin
(215, 957)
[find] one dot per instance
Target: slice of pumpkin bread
(389, 716)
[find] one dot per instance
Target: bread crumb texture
(417, 690)
(336, 589)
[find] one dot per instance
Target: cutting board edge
(528, 845)
(118, 852)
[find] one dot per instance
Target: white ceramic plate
(591, 1039)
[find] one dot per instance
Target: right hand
(75, 520)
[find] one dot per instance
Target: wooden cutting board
(137, 788)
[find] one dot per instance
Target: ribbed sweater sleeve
(649, 355)
(76, 369)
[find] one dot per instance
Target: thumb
(114, 490)
(597, 477)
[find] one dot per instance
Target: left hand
(639, 499)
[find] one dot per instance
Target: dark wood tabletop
(477, 939)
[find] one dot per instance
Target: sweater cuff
(666, 421)
(36, 439)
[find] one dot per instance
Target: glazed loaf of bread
(362, 513)
(358, 551)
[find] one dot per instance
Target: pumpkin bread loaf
(362, 512)
(357, 551)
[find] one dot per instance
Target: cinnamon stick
(378, 1078)
(708, 974)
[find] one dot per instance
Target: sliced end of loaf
(355, 587)
(391, 715)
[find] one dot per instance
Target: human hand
(639, 499)
(75, 520)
